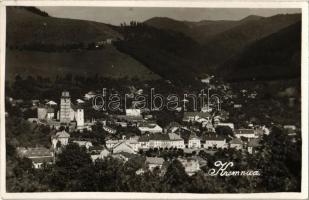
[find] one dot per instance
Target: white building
(159, 140)
(150, 128)
(132, 142)
(196, 116)
(109, 129)
(123, 147)
(153, 162)
(176, 141)
(247, 133)
(214, 141)
(133, 112)
(231, 125)
(236, 143)
(62, 137)
(89, 95)
(86, 144)
(194, 142)
(38, 156)
(103, 154)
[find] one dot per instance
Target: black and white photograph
(153, 100)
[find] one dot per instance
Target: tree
(175, 178)
(225, 131)
(274, 158)
(73, 171)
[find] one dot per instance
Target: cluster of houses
(66, 114)
(183, 135)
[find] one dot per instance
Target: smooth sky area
(117, 15)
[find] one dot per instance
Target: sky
(117, 15)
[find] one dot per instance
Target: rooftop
(35, 152)
(244, 131)
(213, 137)
(62, 134)
(236, 141)
(154, 160)
(174, 136)
(254, 142)
(199, 114)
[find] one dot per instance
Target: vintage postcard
(154, 99)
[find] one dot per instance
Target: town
(136, 133)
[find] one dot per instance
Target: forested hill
(179, 51)
(274, 57)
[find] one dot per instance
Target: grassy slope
(107, 62)
(25, 27)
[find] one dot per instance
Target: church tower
(65, 107)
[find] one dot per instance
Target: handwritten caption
(222, 170)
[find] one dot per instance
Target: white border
(303, 4)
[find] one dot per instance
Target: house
(236, 143)
(51, 103)
(292, 127)
(133, 112)
(149, 127)
(109, 129)
(103, 154)
(109, 40)
(148, 117)
(89, 95)
(123, 147)
(194, 142)
(214, 141)
(111, 143)
(45, 113)
(131, 118)
(176, 141)
(209, 127)
(38, 156)
(231, 125)
(154, 162)
(237, 105)
(159, 140)
(86, 144)
(247, 133)
(132, 142)
(79, 101)
(172, 127)
(207, 79)
(124, 156)
(194, 116)
(253, 145)
(191, 165)
(202, 162)
(144, 142)
(122, 124)
(61, 137)
(35, 102)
